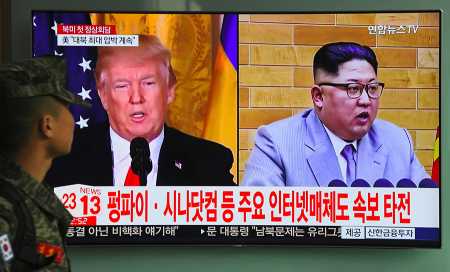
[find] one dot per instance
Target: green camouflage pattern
(46, 210)
(37, 77)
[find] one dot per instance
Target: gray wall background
(261, 258)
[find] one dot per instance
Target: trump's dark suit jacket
(184, 160)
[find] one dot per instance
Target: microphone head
(427, 183)
(140, 156)
(337, 183)
(406, 183)
(138, 147)
(383, 183)
(360, 183)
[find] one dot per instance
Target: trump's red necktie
(132, 179)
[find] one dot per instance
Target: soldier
(36, 127)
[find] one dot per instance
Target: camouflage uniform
(46, 209)
(32, 78)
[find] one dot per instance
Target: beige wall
(275, 70)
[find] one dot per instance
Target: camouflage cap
(37, 77)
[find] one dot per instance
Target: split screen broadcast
(250, 128)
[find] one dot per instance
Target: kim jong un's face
(348, 118)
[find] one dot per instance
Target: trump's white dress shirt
(120, 148)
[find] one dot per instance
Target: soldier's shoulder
(9, 196)
(5, 205)
(8, 219)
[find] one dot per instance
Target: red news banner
(388, 207)
(93, 35)
(86, 29)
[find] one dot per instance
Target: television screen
(330, 138)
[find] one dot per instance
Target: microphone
(383, 183)
(406, 183)
(360, 183)
(427, 183)
(141, 164)
(337, 183)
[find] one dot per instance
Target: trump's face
(348, 118)
(135, 93)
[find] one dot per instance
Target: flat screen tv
(210, 128)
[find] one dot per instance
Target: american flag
(80, 62)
